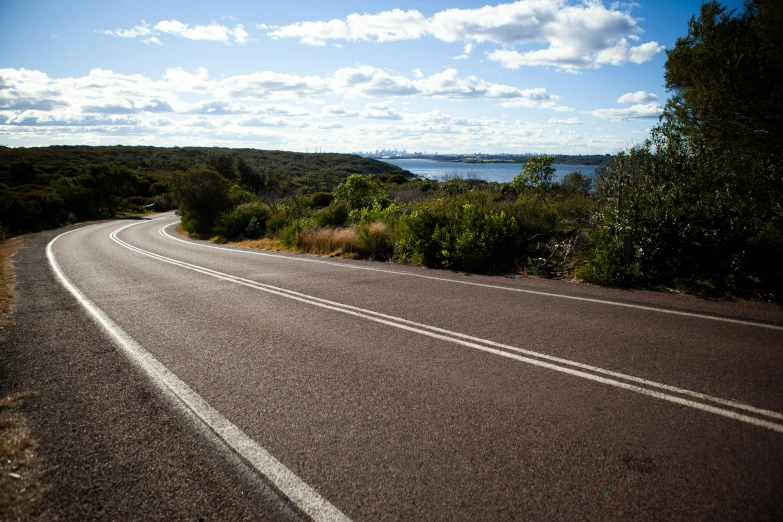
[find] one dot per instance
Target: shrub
(335, 215)
(606, 266)
(459, 236)
(247, 221)
(356, 191)
(375, 240)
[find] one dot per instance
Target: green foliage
(246, 221)
(356, 191)
(201, 194)
(537, 173)
(701, 199)
(381, 210)
(576, 183)
(606, 267)
(335, 215)
(458, 236)
(95, 182)
(725, 75)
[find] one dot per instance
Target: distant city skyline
(552, 76)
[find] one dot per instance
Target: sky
(429, 76)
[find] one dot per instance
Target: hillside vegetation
(46, 187)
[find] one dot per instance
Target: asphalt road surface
(184, 379)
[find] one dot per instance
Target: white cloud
(637, 97)
(213, 32)
(193, 108)
(240, 35)
(645, 52)
(267, 84)
(382, 27)
(417, 73)
(569, 121)
(636, 112)
(139, 30)
(338, 111)
(587, 35)
(380, 111)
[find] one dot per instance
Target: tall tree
(725, 76)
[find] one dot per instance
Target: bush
(335, 215)
(375, 240)
(460, 237)
(247, 221)
(356, 191)
(606, 266)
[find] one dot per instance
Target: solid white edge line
(485, 285)
(286, 481)
(365, 314)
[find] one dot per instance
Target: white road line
(286, 481)
(709, 317)
(472, 342)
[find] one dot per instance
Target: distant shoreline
(592, 160)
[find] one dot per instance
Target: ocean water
(497, 172)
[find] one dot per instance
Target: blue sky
(434, 76)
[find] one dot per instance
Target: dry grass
(20, 471)
(265, 243)
(329, 241)
(376, 240)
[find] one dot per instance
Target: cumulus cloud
(573, 37)
(637, 97)
(569, 121)
(213, 32)
(637, 112)
(380, 111)
(382, 27)
(338, 111)
(262, 109)
(138, 30)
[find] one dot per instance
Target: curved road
(370, 391)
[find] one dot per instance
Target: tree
(725, 76)
(701, 199)
(537, 172)
(202, 194)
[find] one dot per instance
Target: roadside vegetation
(696, 207)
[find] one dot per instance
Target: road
(338, 389)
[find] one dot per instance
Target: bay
(497, 172)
